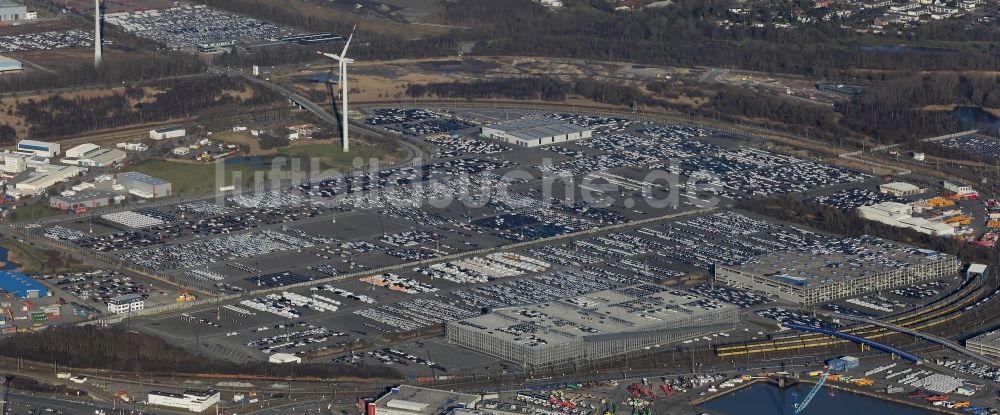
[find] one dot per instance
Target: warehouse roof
(623, 311)
(838, 261)
(85, 196)
(537, 128)
(142, 178)
(125, 299)
(21, 285)
(9, 3)
(901, 187)
(424, 401)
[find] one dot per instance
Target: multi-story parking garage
(843, 269)
(593, 326)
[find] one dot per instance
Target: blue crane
(805, 402)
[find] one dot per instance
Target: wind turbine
(343, 60)
(97, 33)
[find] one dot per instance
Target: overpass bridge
(921, 335)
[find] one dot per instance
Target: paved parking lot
(395, 216)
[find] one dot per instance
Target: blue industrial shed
(21, 285)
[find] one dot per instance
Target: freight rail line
(943, 311)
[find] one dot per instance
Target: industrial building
(94, 156)
(536, 132)
(143, 185)
(593, 326)
(132, 146)
(38, 148)
(11, 12)
(281, 358)
(78, 151)
(192, 400)
(87, 199)
(15, 162)
(48, 176)
(10, 65)
(126, 303)
(413, 400)
(986, 344)
(165, 133)
(900, 189)
(958, 188)
(901, 215)
(21, 286)
(841, 269)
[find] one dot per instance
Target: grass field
(34, 260)
(34, 212)
(197, 178)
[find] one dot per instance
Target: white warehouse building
(164, 133)
(47, 177)
(192, 400)
(38, 148)
(536, 132)
(126, 303)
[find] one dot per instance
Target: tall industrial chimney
(97, 33)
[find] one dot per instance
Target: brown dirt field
(38, 26)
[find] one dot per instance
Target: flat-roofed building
(414, 400)
(143, 185)
(191, 400)
(958, 188)
(126, 303)
(165, 133)
(986, 344)
(900, 189)
(592, 326)
(536, 132)
(15, 162)
(87, 199)
(46, 177)
(843, 268)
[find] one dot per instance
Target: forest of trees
(686, 33)
(57, 116)
(841, 222)
(118, 349)
(115, 70)
(540, 88)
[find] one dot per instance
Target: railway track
(943, 311)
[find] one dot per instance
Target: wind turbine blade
(332, 56)
(344, 53)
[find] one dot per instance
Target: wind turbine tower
(98, 42)
(342, 60)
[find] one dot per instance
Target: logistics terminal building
(844, 268)
(593, 326)
(536, 132)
